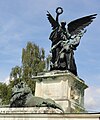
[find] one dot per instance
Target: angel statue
(65, 40)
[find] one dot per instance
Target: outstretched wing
(77, 25)
(53, 22)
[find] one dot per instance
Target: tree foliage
(33, 61)
(16, 72)
(5, 93)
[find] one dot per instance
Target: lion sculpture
(22, 97)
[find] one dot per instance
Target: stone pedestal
(62, 86)
(28, 114)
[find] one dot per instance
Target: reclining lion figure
(22, 97)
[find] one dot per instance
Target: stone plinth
(25, 110)
(28, 114)
(62, 86)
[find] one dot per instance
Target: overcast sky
(25, 20)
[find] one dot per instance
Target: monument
(65, 40)
(62, 83)
(22, 97)
(59, 90)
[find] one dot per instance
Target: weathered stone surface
(27, 114)
(25, 110)
(63, 87)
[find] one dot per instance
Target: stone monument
(59, 90)
(64, 88)
(22, 97)
(62, 83)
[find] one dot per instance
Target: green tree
(33, 61)
(16, 73)
(5, 93)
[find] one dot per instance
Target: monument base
(28, 114)
(26, 110)
(63, 87)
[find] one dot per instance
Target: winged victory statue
(65, 40)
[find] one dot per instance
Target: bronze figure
(65, 40)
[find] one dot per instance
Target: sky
(22, 21)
